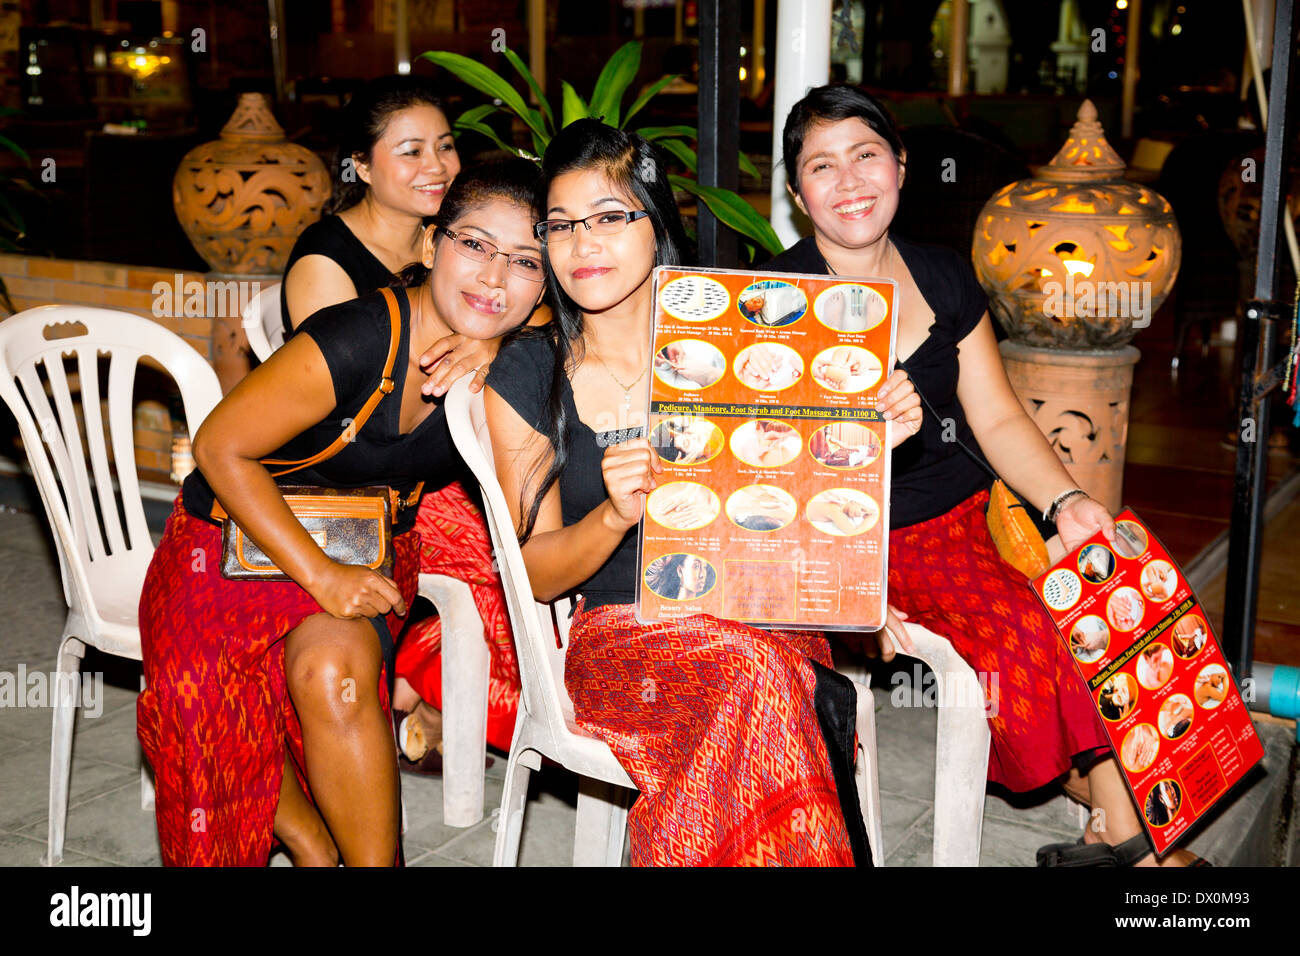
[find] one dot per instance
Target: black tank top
(354, 337)
(330, 237)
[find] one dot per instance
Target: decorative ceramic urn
(1075, 260)
(244, 198)
(1077, 257)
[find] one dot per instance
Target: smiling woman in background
(395, 159)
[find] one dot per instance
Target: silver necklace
(627, 389)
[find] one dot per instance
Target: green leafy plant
(12, 226)
(605, 103)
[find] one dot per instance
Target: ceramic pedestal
(1080, 401)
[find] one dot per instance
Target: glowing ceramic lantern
(1077, 257)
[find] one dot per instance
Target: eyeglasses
(480, 250)
(601, 224)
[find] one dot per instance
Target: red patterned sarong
(946, 574)
(454, 541)
(715, 723)
(216, 717)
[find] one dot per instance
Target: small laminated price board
(1147, 655)
(773, 506)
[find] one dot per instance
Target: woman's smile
(429, 195)
(590, 272)
(857, 208)
(487, 305)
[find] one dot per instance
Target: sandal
(1077, 853)
(411, 742)
(1128, 853)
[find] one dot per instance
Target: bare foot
(423, 730)
(1092, 836)
(430, 723)
(405, 698)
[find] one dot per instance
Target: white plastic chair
(546, 726)
(464, 646)
(465, 667)
(262, 323)
(102, 560)
(961, 758)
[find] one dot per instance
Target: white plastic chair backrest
(262, 323)
(540, 636)
(103, 540)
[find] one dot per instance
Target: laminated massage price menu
(1160, 682)
(772, 508)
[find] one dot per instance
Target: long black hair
(364, 120)
(634, 166)
(511, 180)
(830, 104)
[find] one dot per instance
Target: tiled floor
(107, 827)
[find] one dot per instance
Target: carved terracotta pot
(1080, 401)
(244, 198)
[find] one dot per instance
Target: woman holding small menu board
(719, 724)
(845, 164)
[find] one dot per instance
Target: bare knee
(332, 669)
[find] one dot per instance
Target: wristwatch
(1054, 508)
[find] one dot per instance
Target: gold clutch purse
(351, 525)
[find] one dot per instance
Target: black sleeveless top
(354, 337)
(521, 374)
(930, 476)
(330, 237)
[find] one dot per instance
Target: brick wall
(35, 280)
